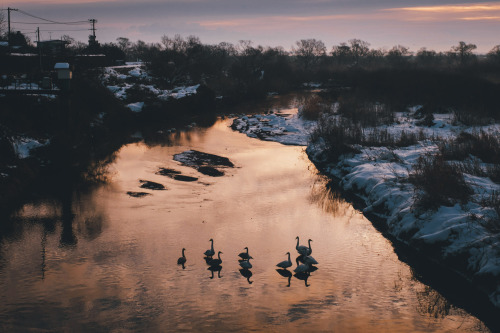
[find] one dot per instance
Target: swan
(302, 249)
(302, 268)
(244, 255)
(182, 260)
(246, 264)
(211, 252)
(285, 263)
(310, 260)
(307, 260)
(216, 262)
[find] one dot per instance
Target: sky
(433, 24)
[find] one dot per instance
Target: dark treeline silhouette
(244, 70)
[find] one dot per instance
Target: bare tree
(123, 43)
(494, 53)
(464, 52)
(341, 53)
(308, 50)
(70, 40)
(359, 49)
(176, 44)
(398, 55)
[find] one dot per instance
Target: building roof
(61, 65)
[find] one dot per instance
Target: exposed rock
(210, 171)
(206, 164)
(174, 174)
(167, 172)
(183, 178)
(151, 185)
(195, 158)
(138, 194)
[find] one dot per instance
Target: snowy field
(379, 176)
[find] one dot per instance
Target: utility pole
(93, 44)
(93, 22)
(8, 22)
(39, 46)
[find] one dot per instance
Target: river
(107, 261)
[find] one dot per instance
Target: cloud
(415, 23)
(486, 11)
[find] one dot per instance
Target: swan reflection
(303, 276)
(213, 269)
(285, 273)
(246, 273)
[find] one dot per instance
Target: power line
(52, 30)
(39, 23)
(51, 21)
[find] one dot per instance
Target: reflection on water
(101, 260)
(246, 273)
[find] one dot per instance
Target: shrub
(483, 145)
(340, 134)
(441, 183)
(313, 107)
(364, 112)
(427, 121)
(493, 201)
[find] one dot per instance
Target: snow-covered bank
(459, 236)
(125, 80)
(284, 126)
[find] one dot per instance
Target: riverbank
(43, 138)
(459, 234)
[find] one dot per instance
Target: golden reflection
(328, 199)
(98, 171)
(430, 302)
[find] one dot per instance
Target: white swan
(211, 252)
(285, 263)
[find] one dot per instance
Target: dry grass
(440, 182)
(313, 107)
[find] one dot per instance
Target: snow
(136, 107)
(23, 146)
(379, 177)
(284, 126)
(119, 79)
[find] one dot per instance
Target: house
(53, 48)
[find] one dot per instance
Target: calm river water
(107, 261)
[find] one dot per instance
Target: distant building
(64, 75)
(53, 48)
